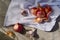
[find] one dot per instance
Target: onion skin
(41, 13)
(48, 10)
(33, 10)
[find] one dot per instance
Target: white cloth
(14, 16)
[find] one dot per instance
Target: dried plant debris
(4, 37)
(24, 13)
(10, 34)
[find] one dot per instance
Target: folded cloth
(14, 16)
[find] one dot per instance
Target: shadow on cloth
(36, 35)
(56, 26)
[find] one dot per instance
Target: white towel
(14, 16)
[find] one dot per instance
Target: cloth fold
(14, 16)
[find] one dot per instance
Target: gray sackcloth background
(42, 35)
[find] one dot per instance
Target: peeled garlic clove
(29, 32)
(38, 20)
